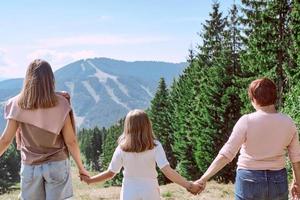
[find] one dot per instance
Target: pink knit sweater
(263, 139)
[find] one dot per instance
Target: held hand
(195, 188)
(85, 179)
(295, 190)
(83, 172)
(202, 183)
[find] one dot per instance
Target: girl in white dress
(138, 152)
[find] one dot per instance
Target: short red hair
(263, 91)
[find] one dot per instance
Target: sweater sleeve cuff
(225, 152)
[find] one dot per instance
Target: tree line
(10, 164)
(194, 116)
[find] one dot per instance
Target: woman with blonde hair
(46, 136)
(138, 152)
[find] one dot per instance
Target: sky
(63, 31)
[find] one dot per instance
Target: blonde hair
(138, 135)
(38, 87)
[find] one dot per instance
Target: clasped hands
(196, 187)
(295, 190)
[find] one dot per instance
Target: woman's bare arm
(72, 145)
(177, 178)
(8, 135)
(295, 189)
(103, 176)
(219, 162)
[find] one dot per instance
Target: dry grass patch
(82, 191)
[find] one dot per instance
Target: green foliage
(295, 47)
(181, 97)
(268, 40)
(161, 123)
(211, 94)
(208, 96)
(91, 141)
(109, 146)
(10, 163)
(194, 118)
(292, 106)
(217, 104)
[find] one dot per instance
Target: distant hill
(103, 89)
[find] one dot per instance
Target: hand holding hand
(202, 183)
(295, 190)
(83, 172)
(195, 188)
(85, 179)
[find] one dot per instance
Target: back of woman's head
(38, 87)
(138, 135)
(263, 92)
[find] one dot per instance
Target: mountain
(103, 90)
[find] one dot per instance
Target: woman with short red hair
(263, 136)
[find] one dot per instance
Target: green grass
(167, 194)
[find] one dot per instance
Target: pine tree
(109, 146)
(181, 98)
(268, 40)
(206, 117)
(291, 105)
(90, 142)
(227, 84)
(295, 49)
(10, 164)
(193, 98)
(161, 123)
(96, 144)
(212, 91)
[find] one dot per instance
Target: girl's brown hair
(38, 87)
(138, 135)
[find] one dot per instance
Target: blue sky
(63, 31)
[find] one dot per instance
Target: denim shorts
(261, 185)
(48, 181)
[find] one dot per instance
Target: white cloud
(100, 40)
(60, 58)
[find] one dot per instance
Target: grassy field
(82, 191)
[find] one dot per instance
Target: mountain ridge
(103, 90)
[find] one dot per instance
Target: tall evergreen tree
(226, 69)
(96, 144)
(90, 141)
(268, 40)
(197, 101)
(160, 118)
(295, 32)
(206, 116)
(109, 146)
(291, 105)
(181, 98)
